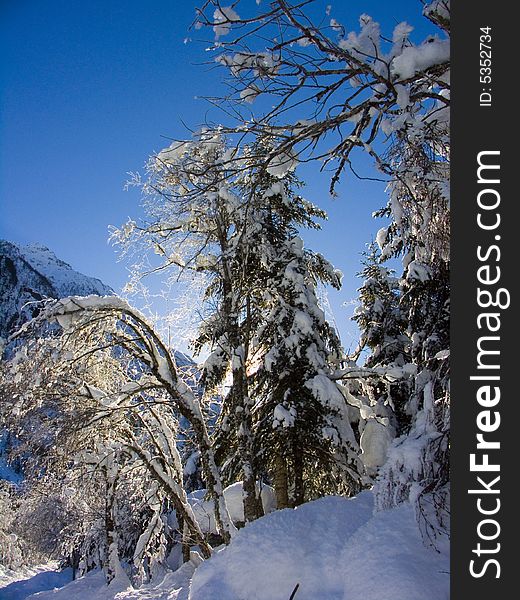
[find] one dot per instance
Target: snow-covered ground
(333, 549)
(22, 584)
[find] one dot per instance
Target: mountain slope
(63, 278)
(29, 274)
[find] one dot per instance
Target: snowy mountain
(31, 273)
(64, 279)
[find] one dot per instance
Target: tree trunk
(252, 503)
(113, 566)
(186, 553)
(280, 480)
(74, 563)
(223, 521)
(299, 491)
(180, 505)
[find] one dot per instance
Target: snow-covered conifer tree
(240, 229)
(301, 427)
(329, 93)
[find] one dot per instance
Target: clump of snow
(419, 271)
(204, 508)
(329, 394)
(381, 237)
(336, 25)
(249, 94)
(375, 442)
(403, 96)
(439, 7)
(442, 355)
(401, 32)
(282, 163)
(223, 17)
(367, 41)
(263, 64)
(284, 417)
(304, 42)
(303, 323)
(414, 59)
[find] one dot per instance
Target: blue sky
(88, 90)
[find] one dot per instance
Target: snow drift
(334, 548)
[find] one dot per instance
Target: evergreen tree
(302, 433)
(330, 92)
(260, 310)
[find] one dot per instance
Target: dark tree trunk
(299, 491)
(281, 481)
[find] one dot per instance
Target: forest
(137, 465)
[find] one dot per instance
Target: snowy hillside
(63, 278)
(333, 549)
(31, 273)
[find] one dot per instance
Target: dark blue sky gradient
(88, 90)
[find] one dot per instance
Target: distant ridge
(31, 273)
